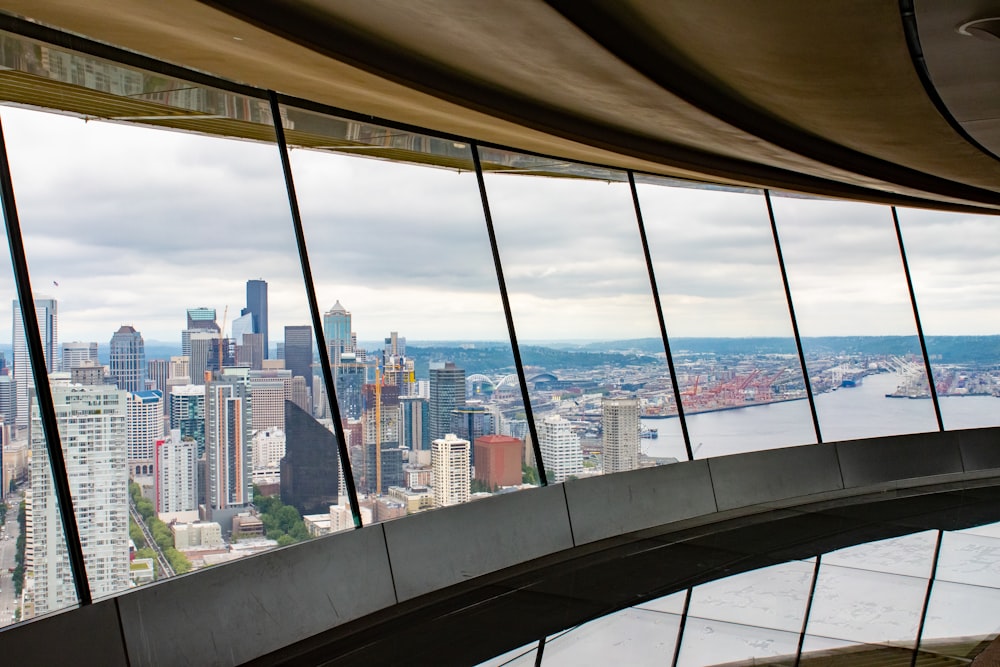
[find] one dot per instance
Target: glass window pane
(35, 575)
(519, 657)
(826, 651)
(628, 637)
(172, 260)
(727, 317)
(968, 558)
(771, 597)
(960, 618)
(413, 322)
(911, 555)
(710, 642)
(952, 258)
(855, 317)
(583, 309)
(668, 604)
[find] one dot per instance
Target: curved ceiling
(812, 97)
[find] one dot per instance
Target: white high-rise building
(228, 437)
(176, 475)
(48, 328)
(621, 428)
(92, 427)
(450, 466)
(76, 353)
(145, 426)
(560, 447)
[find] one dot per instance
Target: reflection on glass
(826, 651)
(960, 618)
(628, 637)
(969, 558)
(952, 259)
(580, 296)
(668, 604)
(771, 597)
(710, 642)
(855, 317)
(413, 327)
(519, 657)
(173, 267)
(911, 555)
(725, 310)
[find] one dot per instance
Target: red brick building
(498, 460)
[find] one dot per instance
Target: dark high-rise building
(392, 467)
(128, 359)
(350, 379)
(310, 468)
(447, 393)
(257, 307)
(299, 351)
(413, 423)
(471, 422)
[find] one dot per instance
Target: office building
(413, 423)
(199, 320)
(176, 476)
(338, 334)
(128, 359)
(447, 389)
(269, 395)
(450, 463)
(74, 353)
(187, 413)
(157, 372)
(498, 460)
(621, 431)
(472, 421)
(560, 448)
(144, 423)
(46, 310)
(310, 467)
(92, 424)
(257, 309)
(228, 436)
(350, 378)
(299, 351)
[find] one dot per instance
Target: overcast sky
(135, 225)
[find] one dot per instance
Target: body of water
(846, 414)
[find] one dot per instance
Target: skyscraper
(74, 353)
(128, 359)
(299, 351)
(450, 463)
(176, 474)
(337, 332)
(187, 413)
(228, 435)
(350, 377)
(157, 372)
(311, 466)
(560, 449)
(257, 308)
(447, 385)
(48, 330)
(144, 419)
(621, 428)
(92, 423)
(200, 320)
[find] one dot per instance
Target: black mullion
(43, 393)
(521, 378)
(916, 318)
(659, 315)
(808, 610)
(927, 598)
(680, 628)
(324, 357)
(791, 314)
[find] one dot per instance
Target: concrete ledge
(84, 636)
(980, 448)
(613, 505)
(229, 614)
(442, 547)
(742, 480)
(895, 458)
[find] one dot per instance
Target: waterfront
(858, 412)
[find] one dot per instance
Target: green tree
(135, 532)
(285, 540)
(529, 475)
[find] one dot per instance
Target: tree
(529, 475)
(135, 532)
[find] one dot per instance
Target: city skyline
(183, 246)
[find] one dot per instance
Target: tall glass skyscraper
(337, 331)
(257, 308)
(48, 328)
(298, 351)
(447, 393)
(128, 359)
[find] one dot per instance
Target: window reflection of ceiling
(663, 87)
